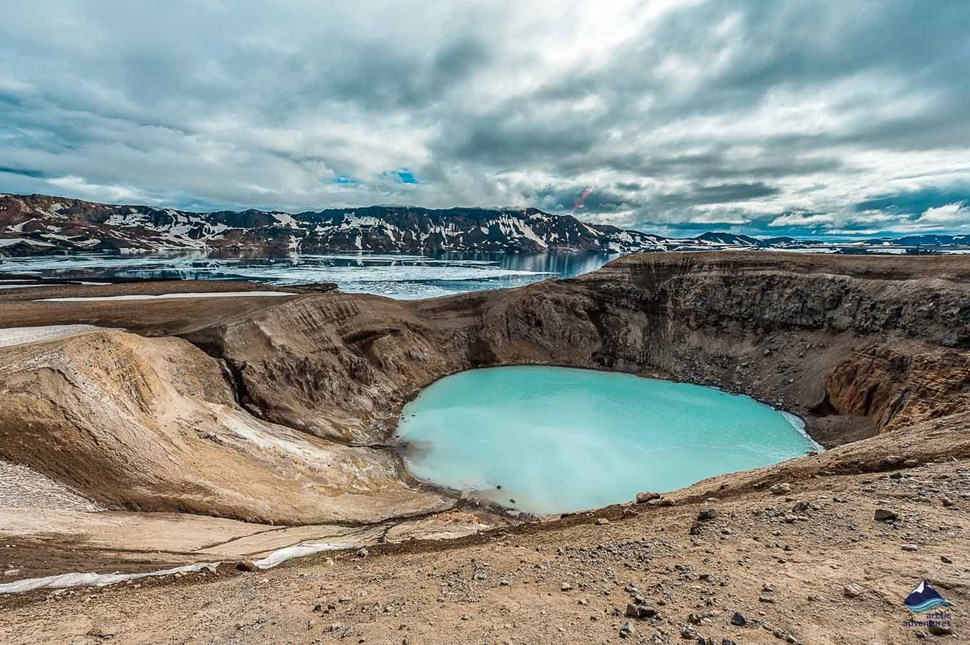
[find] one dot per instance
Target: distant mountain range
(41, 225)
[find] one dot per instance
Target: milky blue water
(393, 275)
(558, 439)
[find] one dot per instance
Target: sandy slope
(151, 424)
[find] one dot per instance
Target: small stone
(565, 587)
(910, 547)
(246, 565)
(946, 560)
(885, 515)
(706, 515)
(11, 572)
(940, 630)
(801, 507)
(363, 553)
(766, 599)
(892, 461)
(635, 610)
(738, 619)
(852, 591)
(946, 501)
(602, 521)
(626, 630)
(910, 463)
(781, 489)
(687, 631)
(643, 498)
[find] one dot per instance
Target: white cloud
(803, 219)
(770, 115)
(955, 213)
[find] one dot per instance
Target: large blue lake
(556, 439)
(396, 276)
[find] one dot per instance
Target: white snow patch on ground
(26, 240)
(285, 219)
(301, 550)
(66, 580)
(23, 335)
(167, 296)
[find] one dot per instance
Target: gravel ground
(21, 487)
(22, 335)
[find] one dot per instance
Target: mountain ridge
(45, 224)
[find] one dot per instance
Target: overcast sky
(764, 117)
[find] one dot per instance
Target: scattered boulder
(565, 587)
(246, 566)
(706, 515)
(885, 515)
(643, 498)
(892, 461)
(626, 630)
(781, 489)
(738, 619)
(640, 610)
(852, 591)
(602, 521)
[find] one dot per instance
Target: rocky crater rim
(854, 346)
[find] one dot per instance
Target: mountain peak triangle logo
(925, 598)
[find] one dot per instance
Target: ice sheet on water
(397, 276)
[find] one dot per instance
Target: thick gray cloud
(819, 117)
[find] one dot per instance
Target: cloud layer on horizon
(774, 118)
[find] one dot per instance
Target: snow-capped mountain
(41, 225)
(38, 224)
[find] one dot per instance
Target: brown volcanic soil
(810, 565)
(856, 345)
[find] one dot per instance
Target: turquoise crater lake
(558, 439)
